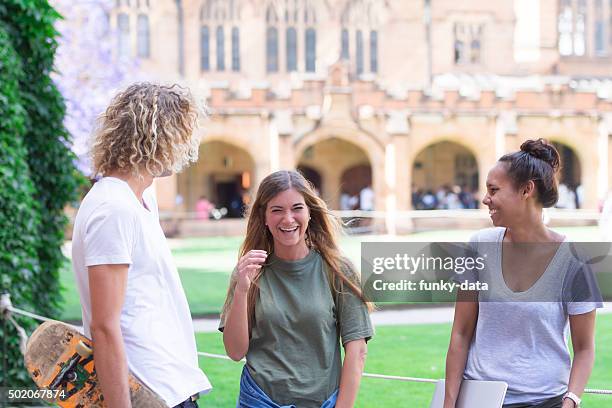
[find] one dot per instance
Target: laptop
(473, 394)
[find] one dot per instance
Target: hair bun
(543, 150)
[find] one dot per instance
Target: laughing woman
(517, 331)
(292, 298)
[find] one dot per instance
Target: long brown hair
(322, 235)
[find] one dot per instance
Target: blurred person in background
(203, 208)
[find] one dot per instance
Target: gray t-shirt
(522, 337)
(294, 350)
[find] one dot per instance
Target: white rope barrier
(29, 314)
(6, 309)
(399, 378)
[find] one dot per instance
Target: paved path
(389, 317)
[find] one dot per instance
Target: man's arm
(107, 285)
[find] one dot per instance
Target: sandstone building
(396, 94)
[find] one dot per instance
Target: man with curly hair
(133, 304)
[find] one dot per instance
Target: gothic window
(600, 35)
(579, 29)
(359, 51)
(373, 51)
(143, 36)
(219, 35)
(204, 48)
(133, 28)
(467, 43)
(610, 24)
(311, 49)
(475, 44)
(360, 38)
(222, 14)
(235, 49)
(272, 49)
(565, 27)
(271, 40)
(123, 26)
(291, 23)
(582, 34)
(459, 44)
(345, 44)
(291, 42)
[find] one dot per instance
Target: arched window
(133, 28)
(204, 48)
(359, 51)
(373, 51)
(220, 48)
(235, 49)
(475, 51)
(143, 36)
(271, 39)
(610, 24)
(600, 33)
(221, 14)
(123, 25)
(295, 29)
(291, 49)
(584, 28)
(311, 49)
(345, 44)
(360, 21)
(565, 28)
(271, 49)
(580, 29)
(468, 43)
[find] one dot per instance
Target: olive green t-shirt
(294, 350)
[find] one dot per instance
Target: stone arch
(332, 158)
(571, 191)
(354, 179)
(224, 174)
(313, 175)
(449, 165)
(371, 149)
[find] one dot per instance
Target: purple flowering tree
(88, 72)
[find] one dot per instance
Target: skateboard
(61, 361)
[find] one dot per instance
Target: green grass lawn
(205, 264)
(416, 351)
(413, 351)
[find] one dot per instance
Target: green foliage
(37, 175)
(18, 210)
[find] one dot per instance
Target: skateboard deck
(61, 359)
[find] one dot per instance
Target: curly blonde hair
(147, 128)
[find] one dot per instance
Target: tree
(37, 168)
(88, 73)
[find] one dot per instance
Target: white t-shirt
(522, 337)
(113, 227)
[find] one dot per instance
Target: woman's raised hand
(248, 266)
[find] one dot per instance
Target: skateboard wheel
(83, 349)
